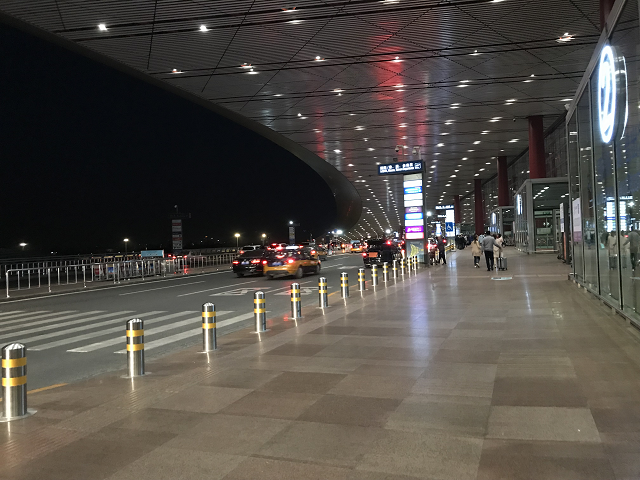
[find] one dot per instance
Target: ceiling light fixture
(203, 28)
(102, 27)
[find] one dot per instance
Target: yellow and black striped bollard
(385, 272)
(14, 382)
(296, 301)
(323, 297)
(344, 285)
(361, 280)
(260, 312)
(135, 347)
(374, 275)
(209, 334)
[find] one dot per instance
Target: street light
(23, 245)
(264, 236)
(126, 241)
(237, 235)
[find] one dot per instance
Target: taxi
(292, 260)
(356, 246)
(318, 251)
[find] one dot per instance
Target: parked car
(380, 252)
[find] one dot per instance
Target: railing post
(6, 276)
(84, 277)
(49, 278)
(209, 338)
(135, 347)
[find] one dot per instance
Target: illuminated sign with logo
(404, 167)
(607, 93)
(413, 205)
(413, 216)
(410, 190)
(419, 229)
(444, 207)
(519, 204)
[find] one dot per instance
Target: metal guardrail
(42, 274)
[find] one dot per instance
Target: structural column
(537, 167)
(456, 209)
(503, 183)
(479, 216)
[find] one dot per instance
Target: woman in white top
(476, 251)
(497, 251)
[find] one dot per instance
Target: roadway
(75, 335)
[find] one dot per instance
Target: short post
(84, 277)
(415, 264)
(395, 269)
(407, 265)
(260, 312)
(402, 267)
(361, 281)
(209, 339)
(344, 285)
(14, 381)
(385, 272)
(323, 297)
(6, 281)
(296, 303)
(374, 275)
(135, 347)
(49, 278)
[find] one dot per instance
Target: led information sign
(444, 207)
(404, 167)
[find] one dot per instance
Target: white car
(249, 248)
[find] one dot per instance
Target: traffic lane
(187, 293)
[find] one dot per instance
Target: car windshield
(251, 254)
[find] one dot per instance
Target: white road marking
(238, 291)
(330, 266)
(120, 339)
(160, 288)
(303, 291)
(35, 317)
(216, 288)
(17, 313)
(191, 333)
(50, 320)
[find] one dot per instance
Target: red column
(537, 167)
(605, 10)
(503, 183)
(479, 217)
(456, 208)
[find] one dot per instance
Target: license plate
(373, 254)
(245, 263)
(275, 264)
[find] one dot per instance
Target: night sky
(91, 156)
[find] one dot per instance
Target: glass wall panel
(586, 195)
(574, 204)
(625, 43)
(605, 206)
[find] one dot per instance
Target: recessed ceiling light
(175, 70)
(370, 149)
(513, 141)
(278, 95)
(481, 170)
(566, 99)
(477, 142)
(565, 38)
(295, 21)
(340, 151)
(203, 28)
(440, 145)
(401, 111)
(102, 27)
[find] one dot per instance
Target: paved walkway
(445, 375)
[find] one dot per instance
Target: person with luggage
(633, 240)
(488, 242)
(442, 243)
(476, 251)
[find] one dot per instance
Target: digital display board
(410, 190)
(444, 207)
(403, 167)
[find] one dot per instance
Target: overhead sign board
(444, 207)
(152, 253)
(403, 167)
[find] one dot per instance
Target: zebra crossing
(97, 330)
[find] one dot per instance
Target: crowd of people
(488, 245)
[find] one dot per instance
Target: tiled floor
(449, 374)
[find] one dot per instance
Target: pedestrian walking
(476, 251)
(442, 244)
(488, 242)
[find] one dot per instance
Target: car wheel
(240, 275)
(299, 273)
(317, 270)
(269, 277)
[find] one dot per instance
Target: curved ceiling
(351, 80)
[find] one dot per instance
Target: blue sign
(413, 216)
(410, 190)
(448, 226)
(403, 167)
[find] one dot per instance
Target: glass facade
(604, 169)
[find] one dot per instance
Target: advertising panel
(403, 167)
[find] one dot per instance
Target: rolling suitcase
(502, 263)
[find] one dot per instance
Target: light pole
(126, 241)
(23, 245)
(237, 235)
(264, 237)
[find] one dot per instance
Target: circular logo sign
(607, 94)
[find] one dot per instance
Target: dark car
(250, 263)
(380, 252)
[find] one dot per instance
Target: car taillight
(290, 260)
(236, 262)
(264, 262)
(255, 260)
(364, 254)
(241, 252)
(313, 252)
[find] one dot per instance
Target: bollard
(344, 285)
(395, 269)
(260, 312)
(361, 282)
(385, 272)
(135, 347)
(402, 267)
(296, 303)
(374, 275)
(415, 264)
(323, 297)
(14, 381)
(49, 278)
(209, 335)
(409, 264)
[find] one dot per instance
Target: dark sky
(90, 156)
